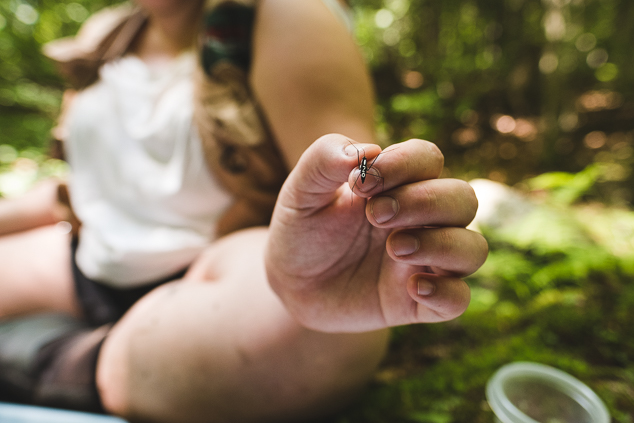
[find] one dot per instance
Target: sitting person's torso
(139, 183)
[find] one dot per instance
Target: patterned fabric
(240, 149)
(227, 36)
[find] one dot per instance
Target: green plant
(557, 288)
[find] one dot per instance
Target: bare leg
(38, 207)
(35, 275)
(220, 347)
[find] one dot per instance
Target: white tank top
(139, 182)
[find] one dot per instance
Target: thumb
(322, 170)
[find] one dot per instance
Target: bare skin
(228, 350)
(37, 208)
(169, 31)
(27, 230)
(250, 320)
(352, 268)
(284, 323)
(340, 284)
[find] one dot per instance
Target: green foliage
(30, 89)
(555, 290)
(20, 170)
(507, 88)
(567, 187)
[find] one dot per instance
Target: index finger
(407, 162)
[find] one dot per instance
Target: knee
(295, 377)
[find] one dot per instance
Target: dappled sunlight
(534, 99)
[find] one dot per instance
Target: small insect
(364, 169)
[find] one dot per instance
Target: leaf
(566, 188)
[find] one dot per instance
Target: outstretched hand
(347, 256)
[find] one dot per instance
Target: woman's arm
(309, 76)
(43, 204)
(37, 207)
(353, 266)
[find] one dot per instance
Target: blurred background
(508, 88)
(534, 94)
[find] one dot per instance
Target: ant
(364, 169)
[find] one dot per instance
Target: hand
(340, 269)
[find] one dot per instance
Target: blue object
(14, 413)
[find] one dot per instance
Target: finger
(322, 170)
(407, 162)
(438, 299)
(437, 202)
(455, 251)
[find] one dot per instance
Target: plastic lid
(526, 392)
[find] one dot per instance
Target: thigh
(35, 273)
(213, 348)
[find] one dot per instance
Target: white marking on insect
(364, 169)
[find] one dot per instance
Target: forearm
(37, 207)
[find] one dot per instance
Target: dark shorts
(103, 304)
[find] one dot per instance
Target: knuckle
(446, 243)
(429, 200)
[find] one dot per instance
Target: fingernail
(425, 288)
(351, 150)
(371, 181)
(384, 209)
(404, 244)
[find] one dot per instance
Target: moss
(551, 292)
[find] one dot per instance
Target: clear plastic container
(534, 393)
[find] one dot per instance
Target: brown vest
(239, 147)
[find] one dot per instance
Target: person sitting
(218, 269)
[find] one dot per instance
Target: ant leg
(375, 159)
(375, 174)
(358, 157)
